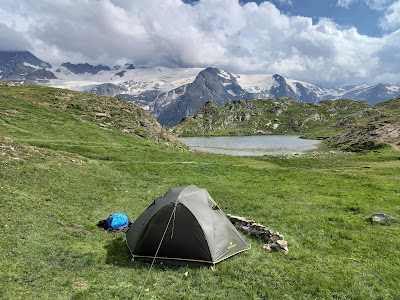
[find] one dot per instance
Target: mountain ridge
(158, 90)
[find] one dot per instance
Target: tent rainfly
(184, 227)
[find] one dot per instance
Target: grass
(60, 175)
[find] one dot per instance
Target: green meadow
(60, 173)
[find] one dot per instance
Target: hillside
(63, 167)
(275, 116)
(382, 127)
(50, 109)
(329, 118)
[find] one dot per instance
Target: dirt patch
(80, 284)
(396, 145)
(11, 112)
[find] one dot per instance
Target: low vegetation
(61, 172)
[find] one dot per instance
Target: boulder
(379, 217)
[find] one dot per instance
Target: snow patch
(255, 83)
(393, 88)
(32, 66)
(292, 84)
(224, 74)
(135, 80)
(231, 93)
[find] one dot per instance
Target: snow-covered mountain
(130, 80)
(172, 93)
(263, 86)
(371, 94)
(210, 84)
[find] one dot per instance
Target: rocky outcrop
(107, 89)
(383, 126)
(386, 133)
(85, 68)
(283, 115)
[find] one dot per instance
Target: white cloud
(288, 2)
(345, 3)
(378, 4)
(373, 4)
(222, 33)
(391, 20)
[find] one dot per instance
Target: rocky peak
(85, 68)
(210, 84)
(23, 65)
(278, 78)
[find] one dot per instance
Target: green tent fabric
(195, 230)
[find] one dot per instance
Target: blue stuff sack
(117, 220)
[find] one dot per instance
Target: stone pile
(274, 240)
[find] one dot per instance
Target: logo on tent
(231, 245)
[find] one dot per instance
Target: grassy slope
(60, 175)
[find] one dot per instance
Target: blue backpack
(117, 220)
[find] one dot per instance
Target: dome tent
(187, 227)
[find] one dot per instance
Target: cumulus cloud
(246, 38)
(391, 20)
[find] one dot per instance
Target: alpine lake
(253, 145)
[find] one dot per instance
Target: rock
(267, 247)
(282, 243)
(381, 217)
(102, 114)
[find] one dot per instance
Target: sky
(323, 42)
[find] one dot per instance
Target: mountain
(169, 106)
(172, 93)
(263, 86)
(365, 92)
(210, 84)
(85, 68)
(23, 66)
